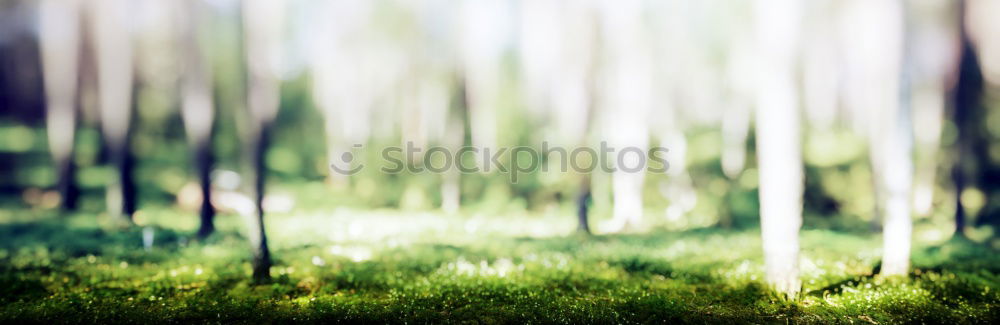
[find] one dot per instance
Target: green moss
(391, 267)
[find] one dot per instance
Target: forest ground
(395, 267)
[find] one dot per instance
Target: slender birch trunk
(197, 110)
(897, 173)
(262, 26)
(59, 38)
(779, 152)
(628, 85)
(482, 39)
(111, 27)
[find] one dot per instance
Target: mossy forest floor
(396, 267)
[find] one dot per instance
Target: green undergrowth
(348, 266)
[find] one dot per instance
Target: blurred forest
(846, 119)
(838, 178)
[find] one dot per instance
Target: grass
(384, 266)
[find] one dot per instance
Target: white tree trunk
(341, 89)
(59, 42)
(484, 33)
(897, 181)
(821, 72)
(874, 31)
(935, 56)
(735, 128)
(897, 132)
(928, 116)
(778, 143)
(111, 27)
(627, 86)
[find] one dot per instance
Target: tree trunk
(582, 206)
(197, 111)
(481, 49)
(203, 161)
(456, 135)
(897, 169)
(627, 83)
(113, 40)
(557, 47)
(258, 237)
(779, 149)
(262, 21)
(343, 71)
(928, 116)
(965, 97)
(59, 39)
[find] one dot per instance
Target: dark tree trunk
(116, 87)
(59, 48)
(124, 163)
(203, 161)
(127, 162)
(67, 187)
(959, 181)
(966, 100)
(582, 206)
(261, 30)
(197, 110)
(258, 237)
